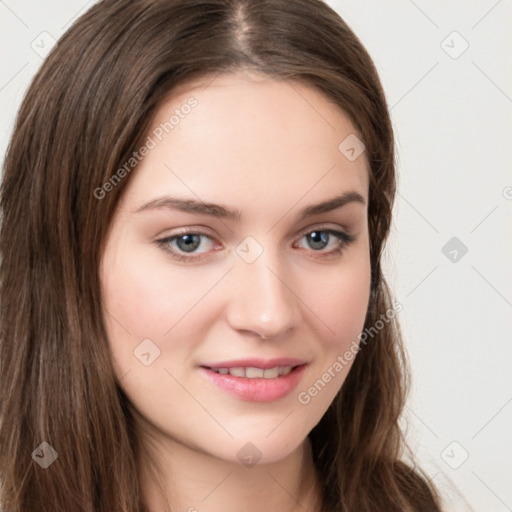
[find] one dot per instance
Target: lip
(264, 364)
(256, 389)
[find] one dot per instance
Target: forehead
(249, 135)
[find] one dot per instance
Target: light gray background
(452, 114)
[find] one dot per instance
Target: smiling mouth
(253, 383)
(255, 373)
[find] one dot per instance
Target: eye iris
(191, 242)
(319, 237)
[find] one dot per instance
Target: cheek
(140, 303)
(145, 296)
(343, 305)
(342, 308)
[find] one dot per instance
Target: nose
(263, 298)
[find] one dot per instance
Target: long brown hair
(85, 113)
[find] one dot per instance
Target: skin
(267, 148)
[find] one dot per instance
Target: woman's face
(219, 240)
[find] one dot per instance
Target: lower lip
(257, 389)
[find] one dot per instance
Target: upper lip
(264, 364)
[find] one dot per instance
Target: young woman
(193, 315)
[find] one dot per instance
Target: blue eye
(190, 242)
(183, 246)
(186, 243)
(321, 237)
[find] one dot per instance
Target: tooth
(237, 372)
(271, 373)
(286, 370)
(254, 372)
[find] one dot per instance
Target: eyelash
(344, 240)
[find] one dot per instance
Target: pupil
(191, 242)
(319, 237)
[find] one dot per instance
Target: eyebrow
(222, 212)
